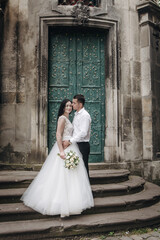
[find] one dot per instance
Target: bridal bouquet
(72, 160)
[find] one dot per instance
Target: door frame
(112, 136)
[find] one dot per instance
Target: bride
(56, 189)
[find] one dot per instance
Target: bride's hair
(62, 107)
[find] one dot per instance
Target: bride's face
(68, 108)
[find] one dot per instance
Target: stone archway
(112, 138)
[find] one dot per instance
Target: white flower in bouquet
(72, 160)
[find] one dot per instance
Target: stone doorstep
(135, 183)
(16, 176)
(9, 176)
(17, 192)
(106, 204)
(106, 165)
(37, 167)
(13, 179)
(108, 173)
(81, 224)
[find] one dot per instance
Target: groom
(81, 128)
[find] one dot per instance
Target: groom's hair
(80, 98)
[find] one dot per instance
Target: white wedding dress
(58, 190)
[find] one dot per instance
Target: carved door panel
(77, 65)
(61, 76)
(91, 83)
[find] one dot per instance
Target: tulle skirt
(58, 190)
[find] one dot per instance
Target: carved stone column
(1, 42)
(149, 15)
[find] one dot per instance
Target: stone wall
(19, 84)
(132, 81)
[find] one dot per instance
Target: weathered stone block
(145, 54)
(7, 124)
(145, 36)
(126, 101)
(147, 123)
(122, 4)
(134, 26)
(20, 97)
(133, 150)
(146, 78)
(135, 69)
(147, 142)
(7, 136)
(8, 83)
(136, 115)
(138, 131)
(147, 107)
(135, 52)
(125, 76)
(144, 17)
(8, 97)
(136, 102)
(21, 84)
(22, 122)
(138, 125)
(147, 135)
(7, 119)
(132, 4)
(127, 123)
(110, 140)
(110, 154)
(136, 85)
(147, 153)
(151, 170)
(127, 134)
(127, 113)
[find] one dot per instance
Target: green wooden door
(77, 65)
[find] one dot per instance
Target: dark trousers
(84, 148)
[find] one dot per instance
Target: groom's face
(76, 105)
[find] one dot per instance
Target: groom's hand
(65, 144)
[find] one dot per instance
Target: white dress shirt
(81, 127)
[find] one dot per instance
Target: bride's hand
(62, 155)
(65, 144)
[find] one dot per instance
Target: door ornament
(80, 12)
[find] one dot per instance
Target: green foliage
(111, 234)
(141, 231)
(102, 237)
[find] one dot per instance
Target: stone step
(37, 167)
(78, 225)
(18, 211)
(108, 176)
(133, 185)
(105, 165)
(150, 196)
(15, 179)
(12, 195)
